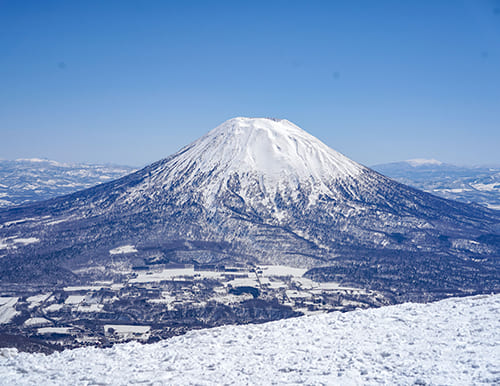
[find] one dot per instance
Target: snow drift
(455, 341)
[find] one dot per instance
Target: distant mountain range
(26, 180)
(479, 184)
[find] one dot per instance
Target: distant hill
(480, 185)
(26, 180)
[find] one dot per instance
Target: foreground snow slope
(454, 341)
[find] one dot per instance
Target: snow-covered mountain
(26, 180)
(257, 190)
(452, 342)
(480, 185)
(262, 158)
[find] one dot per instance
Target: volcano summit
(258, 191)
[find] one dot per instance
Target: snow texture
(123, 249)
(7, 309)
(37, 322)
(454, 341)
(26, 241)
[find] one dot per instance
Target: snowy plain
(451, 342)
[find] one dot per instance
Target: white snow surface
(36, 322)
(453, 342)
(274, 152)
(123, 249)
(26, 241)
(7, 309)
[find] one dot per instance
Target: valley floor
(454, 341)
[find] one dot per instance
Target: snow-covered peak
(268, 147)
(274, 152)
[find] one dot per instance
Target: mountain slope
(261, 190)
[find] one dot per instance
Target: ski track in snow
(455, 341)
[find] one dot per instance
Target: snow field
(455, 341)
(123, 249)
(7, 309)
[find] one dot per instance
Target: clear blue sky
(131, 82)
